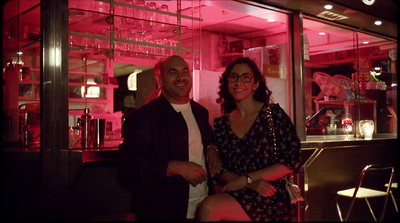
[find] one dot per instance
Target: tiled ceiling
(385, 9)
(360, 16)
(239, 24)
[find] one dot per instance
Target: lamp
(366, 129)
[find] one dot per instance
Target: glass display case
(353, 68)
(21, 73)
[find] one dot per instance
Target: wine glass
(347, 123)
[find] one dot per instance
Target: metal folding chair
(360, 192)
(394, 185)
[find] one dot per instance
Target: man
(164, 150)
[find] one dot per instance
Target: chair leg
(338, 209)
(394, 201)
(384, 209)
(351, 207)
(370, 209)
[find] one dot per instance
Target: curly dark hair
(262, 94)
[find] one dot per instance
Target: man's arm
(190, 171)
(137, 159)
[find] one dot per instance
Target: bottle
(85, 125)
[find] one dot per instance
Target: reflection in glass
(358, 62)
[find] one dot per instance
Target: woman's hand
(214, 163)
(264, 188)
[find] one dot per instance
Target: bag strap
(289, 177)
(271, 125)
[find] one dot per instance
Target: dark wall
(21, 187)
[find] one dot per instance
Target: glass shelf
(81, 20)
(93, 31)
(156, 11)
(14, 45)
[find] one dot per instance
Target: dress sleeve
(288, 145)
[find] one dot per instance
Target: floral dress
(255, 151)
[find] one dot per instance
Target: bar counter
(314, 143)
(328, 164)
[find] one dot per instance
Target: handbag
(293, 190)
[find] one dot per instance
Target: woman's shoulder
(275, 107)
(220, 120)
(278, 113)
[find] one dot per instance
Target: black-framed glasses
(245, 77)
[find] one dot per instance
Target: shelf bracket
(178, 23)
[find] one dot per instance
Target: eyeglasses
(246, 77)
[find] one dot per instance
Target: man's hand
(214, 163)
(190, 171)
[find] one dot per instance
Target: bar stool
(394, 185)
(360, 192)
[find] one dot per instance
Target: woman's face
(238, 88)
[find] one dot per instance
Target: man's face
(176, 80)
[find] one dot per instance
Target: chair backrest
(384, 172)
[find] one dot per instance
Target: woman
(252, 167)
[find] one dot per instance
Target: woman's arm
(270, 173)
(260, 179)
(227, 177)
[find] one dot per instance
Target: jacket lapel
(175, 127)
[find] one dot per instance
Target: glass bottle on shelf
(129, 13)
(150, 15)
(140, 14)
(84, 124)
(163, 18)
(347, 121)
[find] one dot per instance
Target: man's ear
(160, 81)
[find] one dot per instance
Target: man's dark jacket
(154, 135)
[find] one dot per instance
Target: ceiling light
(368, 2)
(92, 92)
(270, 20)
(321, 33)
(378, 22)
(331, 16)
(132, 80)
(328, 7)
(365, 42)
(377, 69)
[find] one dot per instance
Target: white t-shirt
(196, 155)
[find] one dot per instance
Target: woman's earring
(254, 92)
